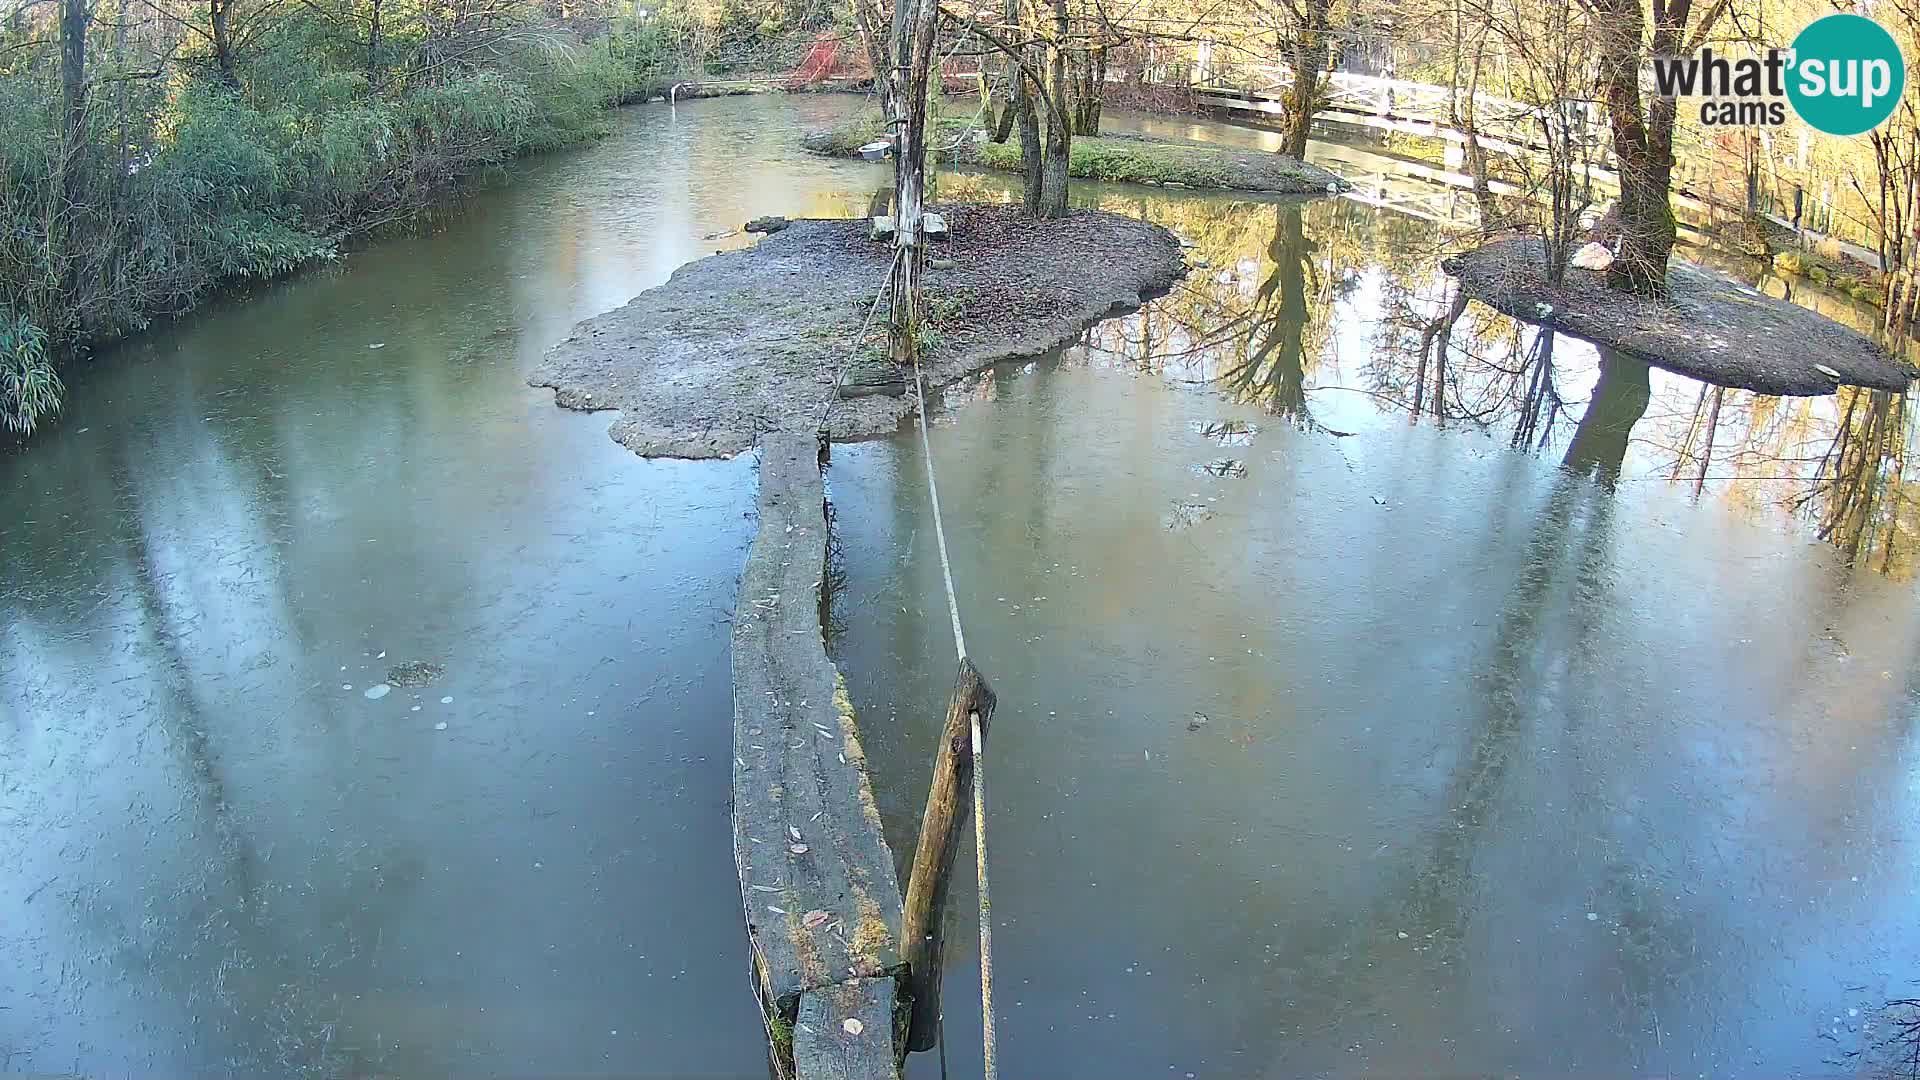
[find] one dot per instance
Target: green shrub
(185, 183)
(30, 390)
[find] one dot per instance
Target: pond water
(1284, 675)
(223, 856)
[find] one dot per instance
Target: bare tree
(1643, 128)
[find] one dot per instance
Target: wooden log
(816, 876)
(845, 1032)
(924, 920)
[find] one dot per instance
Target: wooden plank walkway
(816, 876)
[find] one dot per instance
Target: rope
(853, 349)
(939, 528)
(959, 647)
(989, 1052)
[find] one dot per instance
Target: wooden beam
(923, 925)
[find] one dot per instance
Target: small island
(1707, 326)
(747, 342)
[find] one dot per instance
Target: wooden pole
(923, 924)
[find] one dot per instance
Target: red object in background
(822, 61)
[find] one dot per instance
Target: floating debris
(1227, 467)
(448, 700)
(1199, 721)
(852, 1026)
(414, 673)
(378, 691)
(1226, 432)
(441, 726)
(1185, 515)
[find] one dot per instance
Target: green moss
(780, 1034)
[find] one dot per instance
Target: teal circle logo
(1847, 74)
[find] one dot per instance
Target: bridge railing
(1391, 103)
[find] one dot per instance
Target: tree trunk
(1090, 81)
(1053, 172)
(75, 15)
(1011, 84)
(1642, 142)
(1310, 54)
(913, 52)
(1032, 154)
(879, 56)
(1004, 118)
(373, 41)
(220, 20)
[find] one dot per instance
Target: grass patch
(845, 138)
(1860, 282)
(1118, 158)
(1132, 159)
(1124, 161)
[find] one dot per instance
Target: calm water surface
(1414, 756)
(1330, 743)
(222, 856)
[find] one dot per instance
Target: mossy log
(816, 876)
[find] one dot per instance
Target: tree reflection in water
(1291, 302)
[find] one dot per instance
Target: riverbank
(251, 182)
(1709, 327)
(751, 341)
(1115, 157)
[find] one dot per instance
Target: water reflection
(1334, 317)
(1476, 724)
(1620, 397)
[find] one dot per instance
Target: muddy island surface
(753, 341)
(1709, 326)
